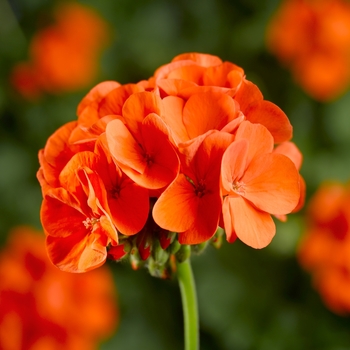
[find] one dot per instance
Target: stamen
(200, 190)
(238, 187)
(89, 223)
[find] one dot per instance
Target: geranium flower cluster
(312, 39)
(153, 167)
(324, 250)
(42, 307)
(63, 56)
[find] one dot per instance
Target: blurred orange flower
(312, 38)
(42, 307)
(325, 248)
(63, 57)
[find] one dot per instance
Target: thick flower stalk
(150, 168)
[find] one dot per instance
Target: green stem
(189, 304)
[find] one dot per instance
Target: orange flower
(63, 56)
(191, 205)
(76, 223)
(328, 231)
(44, 308)
(257, 183)
(142, 147)
(153, 165)
(317, 49)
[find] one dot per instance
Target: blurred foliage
(248, 299)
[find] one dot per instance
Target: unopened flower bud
(199, 248)
(174, 247)
(119, 252)
(158, 270)
(183, 253)
(135, 259)
(216, 241)
(159, 255)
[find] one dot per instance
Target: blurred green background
(248, 299)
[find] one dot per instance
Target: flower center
(200, 190)
(149, 159)
(114, 192)
(238, 187)
(90, 222)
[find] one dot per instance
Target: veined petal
(234, 162)
(271, 183)
(173, 108)
(192, 73)
(206, 220)
(77, 252)
(173, 87)
(259, 138)
(114, 101)
(204, 60)
(247, 94)
(252, 226)
(272, 117)
(228, 221)
(218, 75)
(290, 150)
(163, 71)
(124, 147)
(96, 94)
(129, 208)
(60, 219)
(206, 163)
(208, 111)
(137, 107)
(176, 208)
(78, 161)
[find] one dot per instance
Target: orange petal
(290, 150)
(218, 75)
(173, 87)
(114, 101)
(271, 183)
(206, 219)
(138, 106)
(208, 111)
(234, 162)
(77, 252)
(176, 208)
(206, 162)
(123, 146)
(129, 208)
(260, 139)
(272, 117)
(191, 73)
(173, 107)
(247, 94)
(204, 60)
(96, 94)
(163, 71)
(252, 227)
(61, 219)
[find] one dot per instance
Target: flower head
(151, 167)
